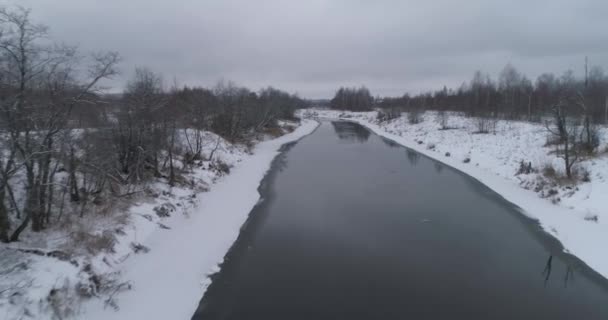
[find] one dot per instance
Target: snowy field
(167, 244)
(576, 214)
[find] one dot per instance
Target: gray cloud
(314, 46)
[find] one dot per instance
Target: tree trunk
(567, 157)
(530, 107)
(15, 236)
(43, 186)
(588, 131)
(74, 193)
(171, 169)
(33, 208)
(4, 222)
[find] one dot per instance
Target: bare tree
(566, 131)
(41, 89)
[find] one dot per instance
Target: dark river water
(353, 226)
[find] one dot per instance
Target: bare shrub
(580, 173)
(113, 288)
(525, 168)
(289, 129)
(139, 248)
(415, 116)
(273, 131)
(62, 301)
(106, 286)
(549, 171)
(94, 243)
(220, 167)
(585, 175)
(591, 217)
(388, 114)
(565, 128)
(381, 116)
(590, 139)
(442, 119)
(486, 124)
(164, 210)
(90, 285)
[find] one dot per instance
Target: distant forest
(511, 96)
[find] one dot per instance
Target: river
(353, 226)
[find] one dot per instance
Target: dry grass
(549, 171)
(579, 174)
(220, 166)
(94, 243)
(96, 231)
(273, 131)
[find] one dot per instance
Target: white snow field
(160, 265)
(577, 215)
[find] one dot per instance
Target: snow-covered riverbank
(166, 248)
(576, 215)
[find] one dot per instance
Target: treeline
(355, 99)
(514, 96)
(571, 108)
(67, 148)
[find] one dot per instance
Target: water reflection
(548, 268)
(438, 167)
(280, 162)
(350, 131)
(568, 275)
(412, 156)
(391, 143)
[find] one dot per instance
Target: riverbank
(574, 214)
(165, 246)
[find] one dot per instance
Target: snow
(37, 275)
(189, 244)
(159, 266)
(569, 214)
(169, 281)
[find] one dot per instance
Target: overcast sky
(314, 46)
